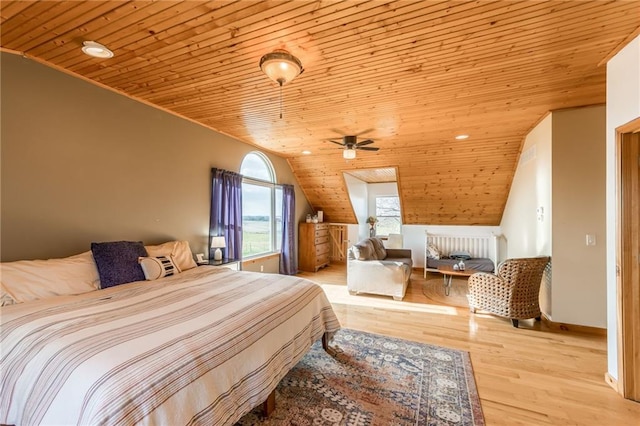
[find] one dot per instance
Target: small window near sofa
(261, 207)
(388, 215)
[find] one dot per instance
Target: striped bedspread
(202, 347)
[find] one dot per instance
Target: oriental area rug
(376, 380)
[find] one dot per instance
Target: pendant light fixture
(281, 67)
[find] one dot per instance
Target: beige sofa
(373, 269)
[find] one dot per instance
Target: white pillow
(27, 280)
(433, 252)
(158, 267)
(180, 251)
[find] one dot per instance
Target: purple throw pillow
(117, 262)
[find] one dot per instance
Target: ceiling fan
(350, 144)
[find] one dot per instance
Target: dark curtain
(226, 211)
(288, 258)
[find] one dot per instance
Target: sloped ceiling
(410, 75)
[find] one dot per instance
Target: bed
(479, 252)
(204, 346)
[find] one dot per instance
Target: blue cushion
(460, 255)
(117, 262)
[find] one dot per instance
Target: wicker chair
(512, 293)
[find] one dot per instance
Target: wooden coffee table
(448, 273)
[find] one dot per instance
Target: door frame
(627, 266)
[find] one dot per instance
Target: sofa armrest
(399, 253)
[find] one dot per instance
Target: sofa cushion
(363, 250)
(378, 247)
(400, 261)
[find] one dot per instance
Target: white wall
(359, 195)
(526, 230)
(525, 234)
(561, 174)
(389, 189)
(623, 106)
(578, 200)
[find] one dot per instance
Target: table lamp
(217, 243)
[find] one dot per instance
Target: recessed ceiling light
(96, 50)
(461, 137)
(306, 152)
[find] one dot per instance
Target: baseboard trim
(611, 381)
(573, 327)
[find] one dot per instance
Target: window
(388, 215)
(261, 207)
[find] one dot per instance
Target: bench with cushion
(373, 269)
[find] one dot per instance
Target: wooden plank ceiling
(410, 75)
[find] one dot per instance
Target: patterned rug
(376, 380)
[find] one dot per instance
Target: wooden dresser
(313, 246)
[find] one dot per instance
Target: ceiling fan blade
(368, 148)
(364, 132)
(367, 142)
(337, 143)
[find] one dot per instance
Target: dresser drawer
(322, 249)
(322, 260)
(321, 239)
(321, 233)
(322, 227)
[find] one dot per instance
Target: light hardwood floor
(533, 375)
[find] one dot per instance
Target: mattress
(202, 347)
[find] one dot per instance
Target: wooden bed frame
(270, 403)
(485, 246)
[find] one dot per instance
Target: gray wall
(579, 208)
(80, 163)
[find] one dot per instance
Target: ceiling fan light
(281, 66)
(96, 50)
(349, 154)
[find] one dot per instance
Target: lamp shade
(349, 154)
(218, 242)
(281, 66)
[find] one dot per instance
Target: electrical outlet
(261, 268)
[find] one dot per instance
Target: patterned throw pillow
(117, 262)
(433, 252)
(179, 250)
(158, 267)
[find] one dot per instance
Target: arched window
(261, 206)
